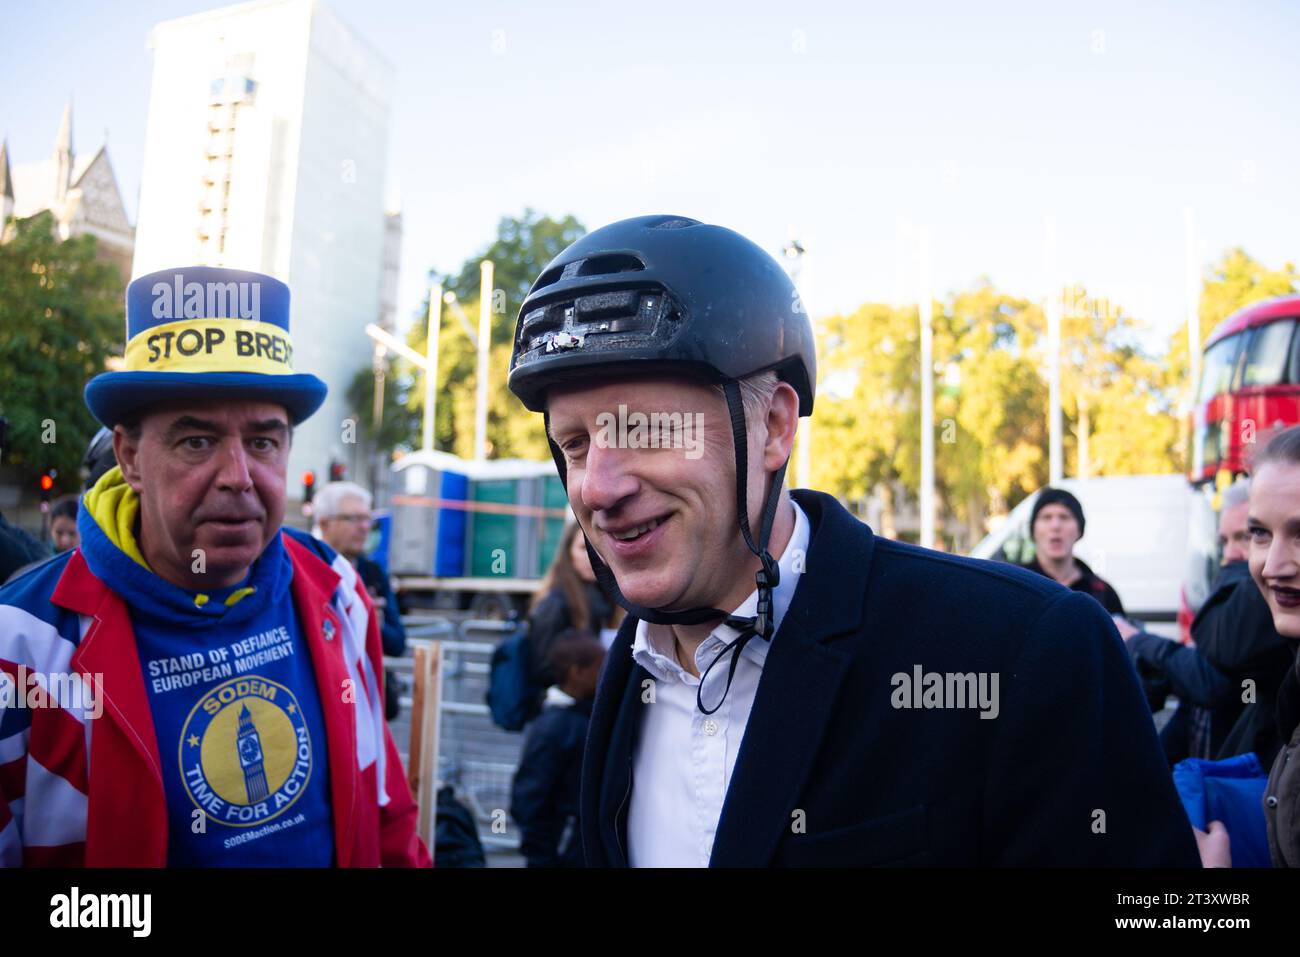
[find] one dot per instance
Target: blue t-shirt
(235, 705)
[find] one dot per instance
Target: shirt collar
(653, 646)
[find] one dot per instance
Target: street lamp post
(1055, 453)
(428, 363)
(927, 390)
(484, 345)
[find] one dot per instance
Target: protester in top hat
(1056, 525)
(240, 662)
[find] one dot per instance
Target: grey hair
(755, 393)
(329, 500)
(1238, 493)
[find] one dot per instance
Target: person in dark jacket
(1207, 705)
(1274, 564)
(1227, 683)
(18, 550)
(1234, 632)
(569, 597)
(342, 511)
(343, 520)
(1056, 525)
(544, 796)
(787, 688)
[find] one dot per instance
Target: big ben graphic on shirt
(250, 757)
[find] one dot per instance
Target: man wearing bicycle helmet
(788, 688)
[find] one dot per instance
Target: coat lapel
(608, 755)
(797, 692)
(313, 587)
(127, 811)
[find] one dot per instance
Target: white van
(1135, 536)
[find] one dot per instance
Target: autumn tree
(522, 248)
(61, 318)
(1235, 281)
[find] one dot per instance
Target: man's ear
(127, 451)
(782, 423)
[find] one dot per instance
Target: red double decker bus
(1250, 385)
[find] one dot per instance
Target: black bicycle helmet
(99, 458)
(670, 294)
(661, 291)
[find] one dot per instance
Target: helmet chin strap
(761, 624)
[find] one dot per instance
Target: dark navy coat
(831, 773)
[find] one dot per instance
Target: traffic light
(308, 486)
(47, 487)
(337, 471)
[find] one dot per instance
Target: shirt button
(710, 727)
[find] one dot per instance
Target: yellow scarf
(114, 506)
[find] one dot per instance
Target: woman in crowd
(1274, 526)
(63, 524)
(569, 597)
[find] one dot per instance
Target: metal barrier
(475, 757)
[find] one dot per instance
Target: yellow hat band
(211, 345)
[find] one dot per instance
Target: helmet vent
(610, 263)
(548, 278)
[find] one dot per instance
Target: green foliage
(1237, 281)
(399, 422)
(990, 402)
(61, 318)
(1234, 282)
(520, 251)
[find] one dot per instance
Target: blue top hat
(204, 332)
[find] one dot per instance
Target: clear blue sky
(846, 121)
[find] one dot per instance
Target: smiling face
(1274, 525)
(1055, 532)
(211, 480)
(664, 519)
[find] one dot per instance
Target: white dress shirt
(684, 758)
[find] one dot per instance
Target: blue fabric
(158, 298)
(513, 697)
(1231, 791)
(236, 709)
(32, 591)
(383, 532)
